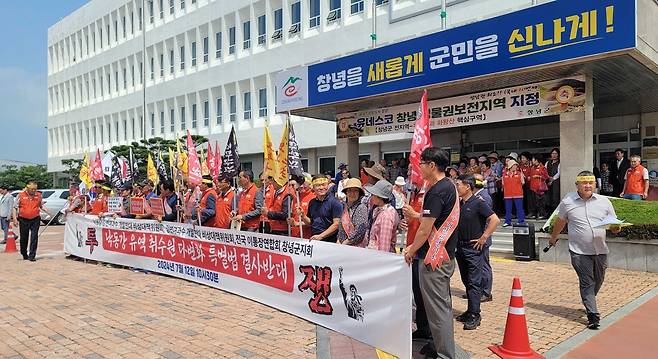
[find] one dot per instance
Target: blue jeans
(4, 225)
(634, 197)
(518, 203)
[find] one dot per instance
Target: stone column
(347, 151)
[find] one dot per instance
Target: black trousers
(471, 261)
(29, 228)
(422, 325)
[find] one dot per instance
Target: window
(100, 34)
(140, 18)
(123, 24)
(327, 165)
(152, 124)
(278, 19)
(206, 113)
(108, 35)
(218, 45)
(172, 121)
(232, 107)
(218, 109)
(161, 65)
(381, 2)
(193, 115)
(231, 40)
(261, 30)
(125, 130)
(314, 6)
(132, 76)
(151, 11)
(125, 80)
(152, 69)
(141, 73)
(93, 40)
(116, 30)
(182, 4)
(193, 53)
(116, 81)
(182, 118)
(162, 122)
(93, 84)
(296, 13)
(132, 23)
(205, 49)
(246, 104)
(262, 102)
(171, 7)
(86, 44)
(162, 9)
(182, 57)
(334, 10)
(246, 34)
(171, 61)
(101, 82)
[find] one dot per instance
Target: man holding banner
(436, 241)
(206, 213)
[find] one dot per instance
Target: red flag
(194, 166)
(420, 141)
(211, 162)
(218, 162)
(97, 168)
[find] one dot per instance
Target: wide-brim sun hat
(400, 181)
(376, 171)
(381, 189)
(511, 163)
(353, 183)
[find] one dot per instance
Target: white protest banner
(114, 204)
(362, 293)
(512, 103)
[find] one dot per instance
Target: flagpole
(301, 229)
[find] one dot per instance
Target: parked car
(54, 200)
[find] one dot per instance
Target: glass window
(218, 109)
(261, 29)
(172, 121)
(46, 194)
(296, 12)
(161, 65)
(151, 11)
(327, 165)
(206, 113)
(125, 81)
(64, 195)
(314, 15)
(246, 103)
(232, 107)
(161, 9)
(218, 45)
(335, 5)
(182, 4)
(613, 137)
(193, 115)
(152, 69)
(171, 6)
(152, 124)
(182, 118)
(123, 24)
(231, 40)
(162, 122)
(171, 61)
(246, 34)
(278, 19)
(205, 49)
(132, 78)
(193, 53)
(381, 2)
(262, 102)
(116, 81)
(182, 57)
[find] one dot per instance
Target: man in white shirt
(6, 206)
(582, 211)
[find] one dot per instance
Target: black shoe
(464, 296)
(486, 298)
(32, 259)
(25, 258)
(420, 334)
(463, 317)
(593, 320)
(3, 242)
(473, 322)
(429, 351)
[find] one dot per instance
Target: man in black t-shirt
(440, 200)
(476, 224)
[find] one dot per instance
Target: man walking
(27, 216)
(6, 206)
(582, 210)
(436, 240)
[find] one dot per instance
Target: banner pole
(301, 229)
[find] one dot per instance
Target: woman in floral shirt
(354, 221)
(384, 219)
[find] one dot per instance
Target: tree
(72, 168)
(14, 177)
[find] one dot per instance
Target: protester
(170, 201)
(278, 212)
(553, 168)
(267, 192)
(26, 216)
(487, 271)
(636, 181)
(537, 179)
(362, 171)
(345, 175)
(6, 206)
(473, 166)
(440, 218)
(250, 202)
(323, 213)
(404, 165)
(206, 212)
(618, 172)
(226, 203)
(77, 201)
(496, 165)
(375, 173)
(354, 220)
(453, 172)
(147, 190)
(606, 187)
(305, 196)
(99, 205)
(384, 220)
(399, 193)
(491, 179)
(525, 166)
(340, 176)
(394, 171)
(513, 191)
(476, 224)
(125, 192)
(582, 211)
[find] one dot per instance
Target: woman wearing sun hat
(383, 224)
(513, 182)
(354, 221)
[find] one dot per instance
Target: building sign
(544, 34)
(513, 103)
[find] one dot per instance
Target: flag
(420, 141)
(294, 158)
(205, 169)
(218, 162)
(269, 156)
(134, 167)
(193, 165)
(85, 175)
(231, 157)
(182, 159)
(161, 168)
(97, 168)
(123, 165)
(115, 175)
(174, 170)
(151, 171)
(282, 158)
(108, 163)
(211, 163)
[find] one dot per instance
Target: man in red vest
(206, 213)
(225, 203)
(267, 191)
(636, 186)
(277, 213)
(250, 202)
(306, 194)
(29, 204)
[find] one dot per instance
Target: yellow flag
(282, 158)
(384, 355)
(85, 176)
(172, 166)
(204, 165)
(151, 172)
(182, 159)
(269, 161)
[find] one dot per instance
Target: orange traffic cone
(11, 241)
(516, 344)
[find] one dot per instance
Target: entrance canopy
(555, 40)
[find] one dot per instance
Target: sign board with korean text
(359, 292)
(114, 204)
(137, 206)
(157, 206)
(513, 103)
(549, 33)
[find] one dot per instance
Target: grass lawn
(636, 212)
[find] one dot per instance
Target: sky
(23, 75)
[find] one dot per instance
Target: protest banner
(114, 204)
(362, 293)
(137, 206)
(157, 206)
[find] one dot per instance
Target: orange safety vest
(211, 222)
(512, 185)
(268, 200)
(84, 203)
(305, 199)
(29, 207)
(99, 205)
(635, 180)
(277, 206)
(246, 204)
(223, 208)
(416, 203)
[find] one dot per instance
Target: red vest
(416, 203)
(246, 204)
(305, 199)
(99, 205)
(223, 210)
(277, 206)
(635, 180)
(29, 207)
(268, 200)
(211, 222)
(512, 185)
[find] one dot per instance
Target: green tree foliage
(72, 170)
(14, 178)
